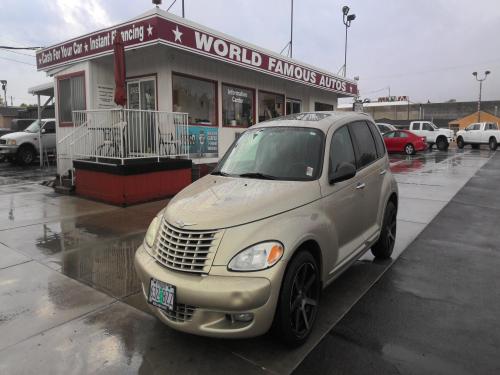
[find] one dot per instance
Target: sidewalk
(437, 309)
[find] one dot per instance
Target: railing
(117, 136)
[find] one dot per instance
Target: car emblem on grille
(182, 224)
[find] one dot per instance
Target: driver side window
(427, 127)
(341, 150)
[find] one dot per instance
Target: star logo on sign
(150, 30)
(177, 34)
(86, 47)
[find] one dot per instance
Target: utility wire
(16, 52)
(27, 48)
(17, 61)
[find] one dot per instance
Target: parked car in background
(23, 147)
(294, 201)
(480, 133)
(404, 141)
(433, 135)
(384, 128)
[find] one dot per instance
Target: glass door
(141, 96)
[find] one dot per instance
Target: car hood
(16, 135)
(216, 202)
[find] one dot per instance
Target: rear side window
(402, 135)
(341, 150)
(365, 145)
(379, 143)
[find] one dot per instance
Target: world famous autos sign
(160, 30)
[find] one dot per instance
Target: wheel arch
(312, 246)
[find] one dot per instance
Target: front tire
(442, 144)
(409, 149)
(493, 144)
(25, 155)
(460, 143)
(299, 300)
(383, 248)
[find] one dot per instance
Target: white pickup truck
(23, 147)
(433, 135)
(479, 133)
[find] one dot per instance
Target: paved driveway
(70, 298)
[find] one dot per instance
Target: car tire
(25, 155)
(383, 248)
(493, 144)
(442, 144)
(298, 301)
(409, 149)
(460, 143)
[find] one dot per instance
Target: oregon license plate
(161, 294)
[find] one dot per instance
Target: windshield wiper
(262, 176)
(219, 173)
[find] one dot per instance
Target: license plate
(161, 294)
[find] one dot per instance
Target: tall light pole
(4, 88)
(480, 80)
(347, 19)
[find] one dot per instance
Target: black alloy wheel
(493, 144)
(409, 149)
(383, 248)
(299, 300)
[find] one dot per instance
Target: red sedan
(404, 141)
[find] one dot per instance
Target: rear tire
(409, 149)
(383, 248)
(460, 143)
(493, 144)
(298, 301)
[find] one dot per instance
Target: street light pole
(480, 80)
(347, 19)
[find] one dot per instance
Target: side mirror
(43, 131)
(345, 171)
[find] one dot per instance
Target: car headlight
(11, 142)
(257, 257)
(149, 239)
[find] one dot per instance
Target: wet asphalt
(69, 295)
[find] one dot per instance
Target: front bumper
(205, 303)
(8, 150)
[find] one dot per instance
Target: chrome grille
(186, 250)
(181, 313)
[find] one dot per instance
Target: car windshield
(275, 153)
(33, 128)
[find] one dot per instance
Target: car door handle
(382, 172)
(360, 185)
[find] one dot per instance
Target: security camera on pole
(347, 18)
(480, 80)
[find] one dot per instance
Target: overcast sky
(426, 49)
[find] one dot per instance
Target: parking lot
(70, 297)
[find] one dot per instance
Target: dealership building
(223, 85)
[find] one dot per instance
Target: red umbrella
(120, 94)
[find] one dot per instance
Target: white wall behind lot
(161, 61)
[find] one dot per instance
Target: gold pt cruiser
(291, 205)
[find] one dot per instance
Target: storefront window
(141, 94)
(197, 97)
(270, 105)
(71, 96)
(293, 106)
(323, 106)
(237, 106)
